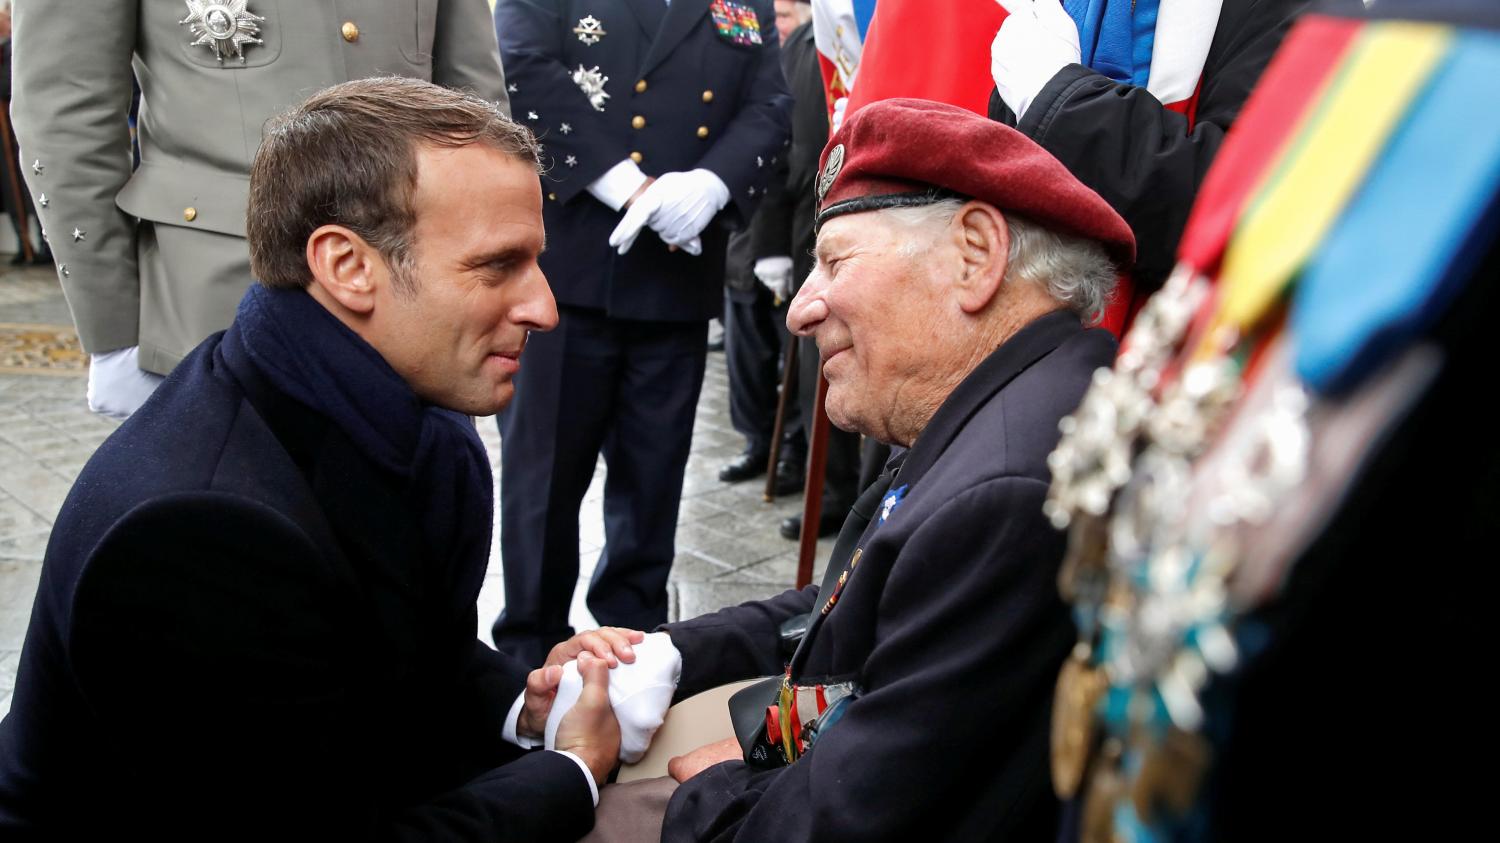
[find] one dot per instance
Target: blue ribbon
(1115, 37)
(1410, 238)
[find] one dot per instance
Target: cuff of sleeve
(1036, 119)
(618, 184)
(510, 734)
(717, 189)
(587, 775)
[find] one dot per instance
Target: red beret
(899, 152)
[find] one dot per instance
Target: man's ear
(345, 267)
(983, 242)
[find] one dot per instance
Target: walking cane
(788, 366)
(812, 505)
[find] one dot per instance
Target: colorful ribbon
(1302, 199)
(1406, 244)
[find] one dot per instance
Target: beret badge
(830, 170)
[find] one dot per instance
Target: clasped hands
(677, 206)
(589, 729)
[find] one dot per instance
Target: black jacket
(256, 616)
(950, 623)
(783, 224)
(1144, 159)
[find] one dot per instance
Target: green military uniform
(157, 257)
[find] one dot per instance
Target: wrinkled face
(875, 305)
(457, 338)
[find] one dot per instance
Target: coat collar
(649, 13)
(288, 340)
(1030, 344)
(681, 16)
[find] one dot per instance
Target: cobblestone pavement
(728, 550)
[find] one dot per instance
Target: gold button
(708, 96)
(350, 31)
(702, 131)
(638, 122)
(636, 157)
(189, 214)
(640, 87)
(552, 196)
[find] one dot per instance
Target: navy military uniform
(676, 87)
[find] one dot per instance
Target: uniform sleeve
(771, 227)
(740, 642)
(1142, 157)
(970, 637)
(464, 52)
(530, 34)
(71, 64)
(220, 651)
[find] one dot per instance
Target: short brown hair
(348, 156)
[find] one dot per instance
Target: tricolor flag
(929, 50)
(839, 28)
(941, 50)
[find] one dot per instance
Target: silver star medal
(589, 30)
(591, 82)
(225, 26)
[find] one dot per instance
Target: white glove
(639, 692)
(1035, 41)
(117, 386)
(840, 105)
(775, 274)
(677, 206)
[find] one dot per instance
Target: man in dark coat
(956, 263)
(265, 628)
(767, 261)
(659, 122)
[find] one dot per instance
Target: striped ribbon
(1295, 78)
(1407, 242)
(1305, 192)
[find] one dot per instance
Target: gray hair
(1074, 270)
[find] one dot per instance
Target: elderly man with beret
(958, 267)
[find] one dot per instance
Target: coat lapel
(681, 17)
(649, 13)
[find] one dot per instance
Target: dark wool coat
(950, 624)
(256, 616)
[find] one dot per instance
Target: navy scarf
(304, 352)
